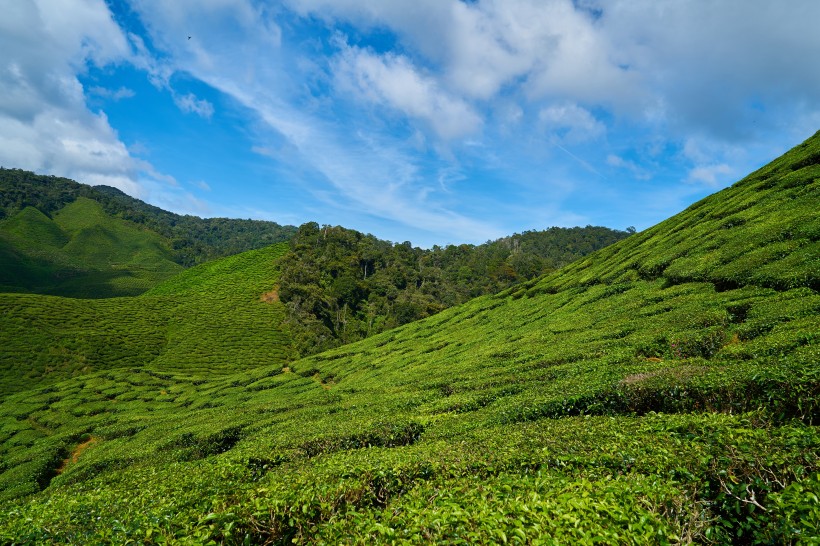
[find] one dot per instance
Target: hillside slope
(210, 319)
(81, 252)
(663, 390)
(191, 239)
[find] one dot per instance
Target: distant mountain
(81, 252)
(63, 238)
(192, 240)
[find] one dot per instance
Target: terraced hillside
(663, 390)
(210, 319)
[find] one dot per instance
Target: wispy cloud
(637, 171)
(366, 170)
(571, 123)
(446, 117)
(111, 94)
(189, 103)
(45, 125)
(392, 80)
(710, 174)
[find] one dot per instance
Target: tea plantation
(208, 319)
(663, 390)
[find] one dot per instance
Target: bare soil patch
(270, 297)
(75, 455)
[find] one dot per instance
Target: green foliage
(81, 252)
(341, 285)
(210, 319)
(191, 240)
(638, 396)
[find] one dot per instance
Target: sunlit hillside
(81, 252)
(63, 238)
(211, 319)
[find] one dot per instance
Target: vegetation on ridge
(192, 240)
(662, 390)
(340, 285)
(81, 252)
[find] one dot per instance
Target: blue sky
(433, 121)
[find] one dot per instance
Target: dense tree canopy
(341, 285)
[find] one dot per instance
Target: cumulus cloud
(713, 64)
(393, 80)
(681, 66)
(547, 49)
(45, 125)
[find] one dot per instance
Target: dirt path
(75, 455)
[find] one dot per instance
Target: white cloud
(347, 164)
(691, 78)
(637, 171)
(710, 174)
(392, 80)
(111, 94)
(547, 49)
(221, 31)
(572, 123)
(191, 104)
(44, 123)
(714, 64)
(732, 69)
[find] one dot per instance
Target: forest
(340, 285)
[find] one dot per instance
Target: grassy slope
(208, 319)
(527, 416)
(222, 322)
(81, 252)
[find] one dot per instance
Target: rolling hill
(210, 319)
(81, 252)
(662, 390)
(64, 238)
